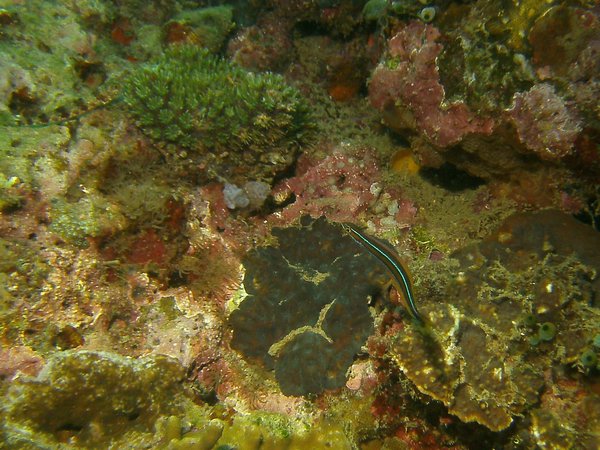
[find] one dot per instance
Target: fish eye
(427, 14)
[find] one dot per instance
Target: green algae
(199, 429)
(29, 157)
(488, 73)
(382, 10)
(9, 199)
(588, 359)
(142, 200)
(547, 331)
(210, 26)
(22, 271)
(48, 53)
(375, 10)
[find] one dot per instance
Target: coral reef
(306, 313)
(466, 90)
(186, 283)
(52, 66)
(339, 187)
(252, 432)
(264, 46)
(543, 122)
(481, 71)
(205, 27)
(90, 217)
(193, 99)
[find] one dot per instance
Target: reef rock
(90, 398)
(520, 307)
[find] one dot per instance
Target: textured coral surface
(96, 394)
(306, 313)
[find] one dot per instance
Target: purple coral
(544, 123)
(406, 89)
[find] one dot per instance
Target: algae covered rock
(520, 307)
(239, 120)
(91, 398)
(207, 27)
(91, 216)
(306, 314)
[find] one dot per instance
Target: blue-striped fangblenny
(385, 254)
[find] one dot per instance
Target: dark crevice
(449, 177)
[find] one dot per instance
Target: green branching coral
(195, 100)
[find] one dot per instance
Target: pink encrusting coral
(544, 123)
(407, 89)
(338, 187)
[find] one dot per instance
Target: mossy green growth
(380, 10)
(534, 340)
(91, 216)
(45, 47)
(8, 198)
(375, 10)
(596, 341)
(257, 430)
(29, 158)
(193, 99)
(94, 397)
(530, 320)
(489, 72)
(168, 307)
(209, 25)
(142, 199)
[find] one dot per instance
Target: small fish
(385, 254)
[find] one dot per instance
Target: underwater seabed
(299, 224)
